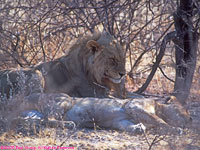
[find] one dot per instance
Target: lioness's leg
(126, 125)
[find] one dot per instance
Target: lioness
(94, 65)
(131, 115)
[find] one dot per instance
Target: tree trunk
(186, 50)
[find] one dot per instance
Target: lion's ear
(93, 46)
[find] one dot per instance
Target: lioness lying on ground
(94, 65)
(131, 115)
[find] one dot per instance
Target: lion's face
(114, 66)
(107, 61)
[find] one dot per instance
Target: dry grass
(103, 139)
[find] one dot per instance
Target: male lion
(94, 65)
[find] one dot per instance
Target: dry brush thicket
(34, 31)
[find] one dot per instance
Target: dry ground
(104, 139)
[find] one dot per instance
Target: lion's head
(94, 63)
(105, 59)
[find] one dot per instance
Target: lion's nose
(121, 74)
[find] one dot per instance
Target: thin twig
(165, 75)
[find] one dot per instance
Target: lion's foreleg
(126, 125)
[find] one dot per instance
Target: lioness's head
(106, 59)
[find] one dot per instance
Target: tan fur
(94, 65)
(156, 115)
(131, 115)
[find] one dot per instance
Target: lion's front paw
(136, 129)
(128, 126)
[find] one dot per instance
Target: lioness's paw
(137, 129)
(130, 127)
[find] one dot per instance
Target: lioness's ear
(93, 46)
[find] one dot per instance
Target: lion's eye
(113, 61)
